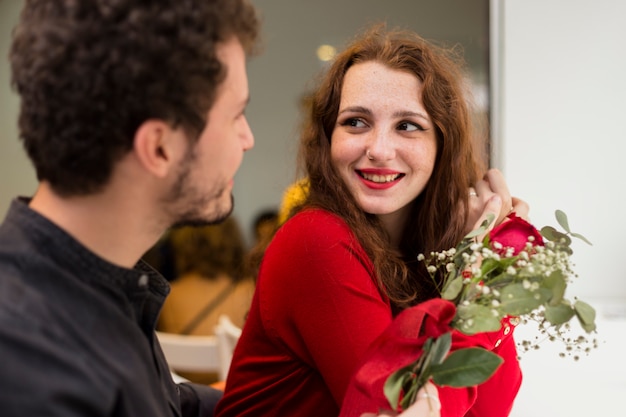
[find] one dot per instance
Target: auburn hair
(438, 214)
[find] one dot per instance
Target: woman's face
(383, 144)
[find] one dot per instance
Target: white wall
(562, 86)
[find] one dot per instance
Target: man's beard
(188, 205)
(193, 218)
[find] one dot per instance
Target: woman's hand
(426, 405)
(491, 195)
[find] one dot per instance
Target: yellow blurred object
(293, 196)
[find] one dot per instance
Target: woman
(392, 172)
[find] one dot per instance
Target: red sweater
(315, 311)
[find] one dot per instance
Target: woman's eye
(353, 122)
(409, 127)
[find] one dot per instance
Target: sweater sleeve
(321, 301)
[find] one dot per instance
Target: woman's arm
(321, 300)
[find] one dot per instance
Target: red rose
(514, 233)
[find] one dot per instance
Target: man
(132, 113)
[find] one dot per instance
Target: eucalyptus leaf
(452, 288)
(586, 315)
(554, 235)
(475, 318)
(581, 237)
(557, 284)
(559, 314)
(561, 217)
(517, 300)
(550, 233)
(476, 232)
(466, 367)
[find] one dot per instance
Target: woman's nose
(381, 146)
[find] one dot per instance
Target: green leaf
(440, 348)
(482, 228)
(466, 367)
(561, 217)
(452, 288)
(475, 318)
(557, 284)
(559, 314)
(554, 235)
(516, 300)
(586, 315)
(394, 384)
(581, 237)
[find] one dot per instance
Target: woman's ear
(156, 145)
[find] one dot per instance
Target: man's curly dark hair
(90, 72)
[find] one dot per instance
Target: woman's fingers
(426, 405)
(497, 184)
(490, 210)
(521, 208)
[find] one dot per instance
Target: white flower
(421, 257)
(511, 271)
(432, 269)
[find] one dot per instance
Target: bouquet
(515, 273)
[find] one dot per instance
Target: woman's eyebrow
(356, 109)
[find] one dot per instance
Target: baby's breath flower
(421, 257)
(491, 272)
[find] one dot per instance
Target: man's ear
(155, 146)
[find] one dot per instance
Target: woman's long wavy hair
(438, 214)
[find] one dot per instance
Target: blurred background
(550, 76)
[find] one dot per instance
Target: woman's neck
(394, 223)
